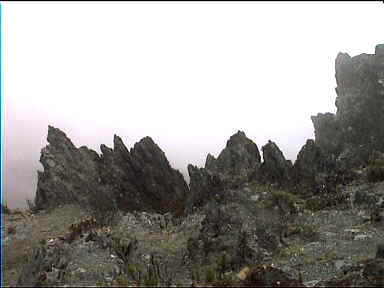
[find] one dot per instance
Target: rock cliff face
(70, 174)
(357, 128)
(140, 179)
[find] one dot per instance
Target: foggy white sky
(188, 74)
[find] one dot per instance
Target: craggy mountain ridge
(141, 178)
(241, 221)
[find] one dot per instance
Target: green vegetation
(210, 275)
(122, 280)
(292, 251)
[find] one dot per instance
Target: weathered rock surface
(239, 157)
(140, 179)
(311, 168)
(234, 165)
(275, 168)
(70, 174)
(203, 185)
(356, 129)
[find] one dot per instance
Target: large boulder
(140, 179)
(356, 129)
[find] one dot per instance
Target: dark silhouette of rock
(238, 160)
(155, 178)
(70, 174)
(275, 168)
(140, 179)
(310, 161)
(239, 157)
(311, 168)
(356, 129)
(327, 132)
(375, 171)
(269, 276)
(203, 185)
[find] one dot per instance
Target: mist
(187, 74)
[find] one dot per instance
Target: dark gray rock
(140, 179)
(310, 161)
(164, 186)
(275, 168)
(239, 157)
(70, 174)
(204, 185)
(356, 130)
(311, 168)
(327, 132)
(233, 167)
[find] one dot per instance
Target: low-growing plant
(292, 251)
(375, 173)
(330, 255)
(210, 275)
(122, 280)
(150, 281)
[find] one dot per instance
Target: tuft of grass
(150, 281)
(122, 280)
(330, 255)
(210, 275)
(292, 251)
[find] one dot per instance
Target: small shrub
(375, 173)
(330, 255)
(122, 280)
(210, 275)
(150, 281)
(286, 201)
(124, 248)
(292, 251)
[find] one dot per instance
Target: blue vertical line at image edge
(1, 140)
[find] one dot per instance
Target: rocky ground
(206, 247)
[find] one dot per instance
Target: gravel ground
(344, 237)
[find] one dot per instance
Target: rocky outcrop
(239, 157)
(164, 186)
(275, 168)
(203, 185)
(327, 132)
(311, 168)
(70, 174)
(356, 129)
(238, 160)
(140, 179)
